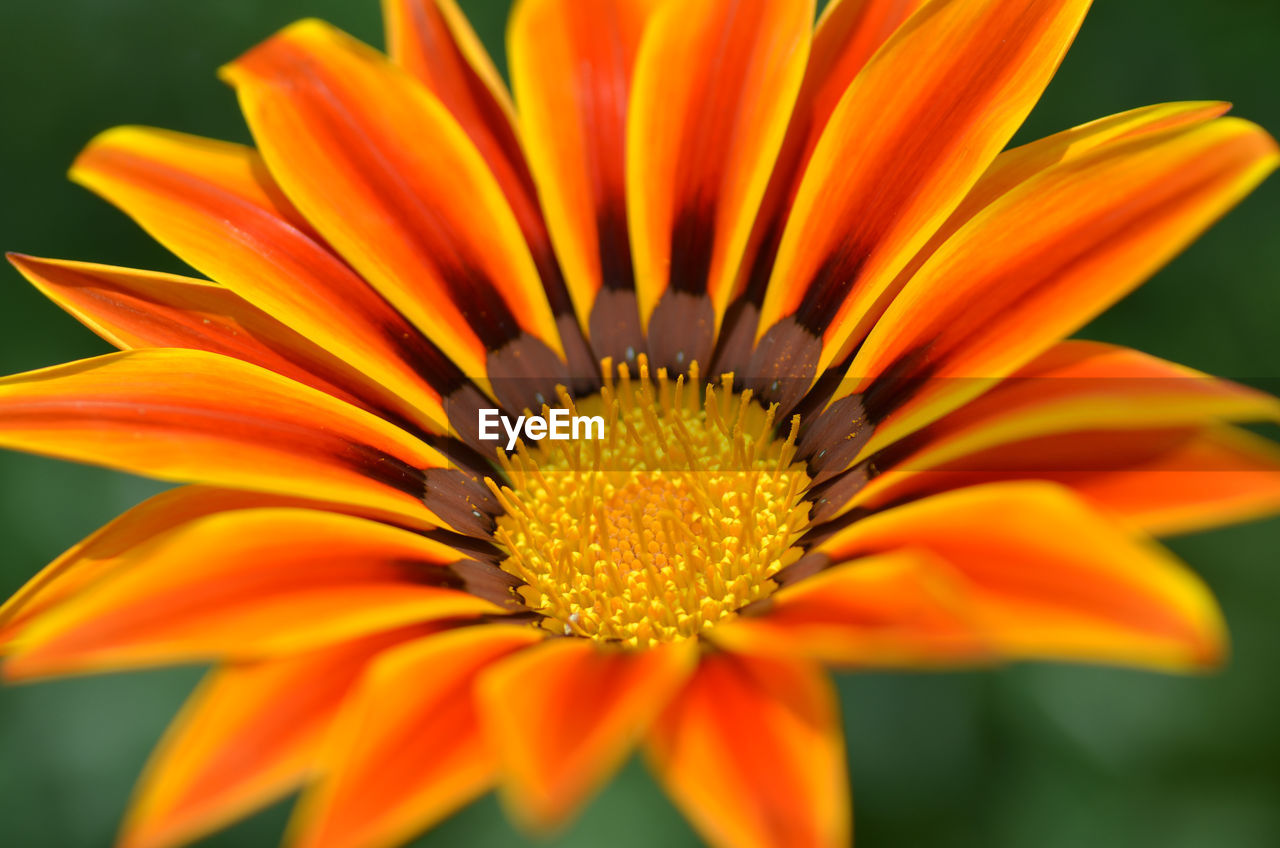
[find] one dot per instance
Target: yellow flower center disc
(677, 518)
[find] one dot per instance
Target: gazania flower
(817, 312)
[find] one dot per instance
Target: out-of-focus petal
(249, 735)
(409, 750)
(902, 609)
(563, 717)
(1051, 579)
(751, 751)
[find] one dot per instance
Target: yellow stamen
(678, 518)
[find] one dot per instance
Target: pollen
(678, 518)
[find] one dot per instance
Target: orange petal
(1014, 167)
(242, 585)
(713, 91)
(848, 34)
(564, 716)
(432, 40)
(1206, 478)
(426, 224)
(1042, 260)
(851, 229)
(1051, 579)
(104, 553)
(1073, 392)
(409, 750)
(1162, 481)
(248, 736)
(213, 204)
(191, 416)
(135, 309)
(751, 752)
(571, 68)
(899, 609)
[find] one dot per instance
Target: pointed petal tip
(304, 30)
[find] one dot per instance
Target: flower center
(677, 518)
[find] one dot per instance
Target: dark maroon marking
(463, 411)
(617, 273)
(615, 326)
(782, 366)
(693, 237)
(681, 331)
(486, 580)
(427, 361)
(429, 573)
(803, 568)
(385, 469)
(830, 441)
(462, 456)
(762, 267)
(481, 305)
(825, 388)
(898, 383)
(737, 338)
(829, 496)
(583, 364)
(473, 546)
(524, 374)
(461, 500)
(829, 287)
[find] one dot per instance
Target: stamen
(678, 518)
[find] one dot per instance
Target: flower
(818, 311)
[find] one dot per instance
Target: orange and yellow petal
(1198, 479)
(249, 735)
(1039, 262)
(847, 35)
(851, 229)
(1049, 578)
(1014, 167)
(900, 609)
(107, 551)
(409, 749)
(714, 86)
(432, 40)
(571, 71)
(1078, 407)
(427, 225)
(214, 205)
(135, 309)
(192, 416)
(564, 716)
(242, 585)
(752, 753)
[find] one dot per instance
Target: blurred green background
(1053, 757)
